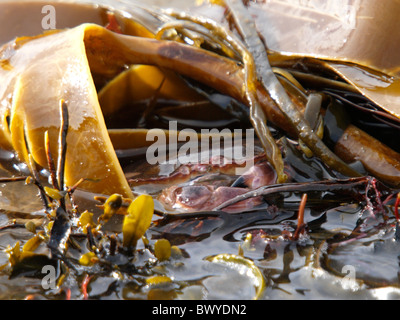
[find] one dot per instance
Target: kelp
(87, 131)
(278, 93)
(338, 44)
(89, 42)
(257, 116)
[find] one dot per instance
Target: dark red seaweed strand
(300, 218)
(396, 207)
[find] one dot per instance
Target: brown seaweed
(210, 68)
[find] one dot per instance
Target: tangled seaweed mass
(309, 208)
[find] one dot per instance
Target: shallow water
(347, 252)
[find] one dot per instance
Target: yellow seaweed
(138, 220)
(162, 249)
(85, 220)
(88, 259)
(33, 243)
(158, 280)
(111, 207)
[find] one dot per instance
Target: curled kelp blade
(34, 111)
(146, 96)
(70, 58)
(342, 30)
(379, 87)
(141, 83)
(350, 36)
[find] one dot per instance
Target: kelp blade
(350, 35)
(34, 109)
(70, 58)
(333, 30)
